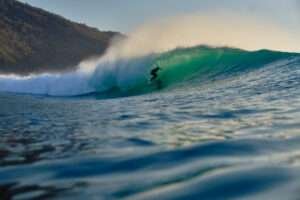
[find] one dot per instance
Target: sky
(126, 15)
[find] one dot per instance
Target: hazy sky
(124, 15)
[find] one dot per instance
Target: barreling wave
(179, 65)
(131, 76)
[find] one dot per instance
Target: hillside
(33, 40)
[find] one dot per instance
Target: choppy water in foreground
(233, 137)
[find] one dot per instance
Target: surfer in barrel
(154, 72)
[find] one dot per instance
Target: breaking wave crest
(132, 76)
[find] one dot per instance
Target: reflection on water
(239, 168)
(230, 138)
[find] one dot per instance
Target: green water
(203, 62)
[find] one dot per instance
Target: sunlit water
(233, 137)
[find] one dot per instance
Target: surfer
(154, 73)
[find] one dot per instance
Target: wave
(130, 76)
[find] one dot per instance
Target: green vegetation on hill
(33, 40)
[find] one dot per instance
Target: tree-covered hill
(33, 40)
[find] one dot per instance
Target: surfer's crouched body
(154, 73)
(154, 76)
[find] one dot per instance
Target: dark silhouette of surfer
(154, 75)
(154, 72)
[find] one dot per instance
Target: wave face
(131, 76)
(205, 62)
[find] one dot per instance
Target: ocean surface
(216, 124)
